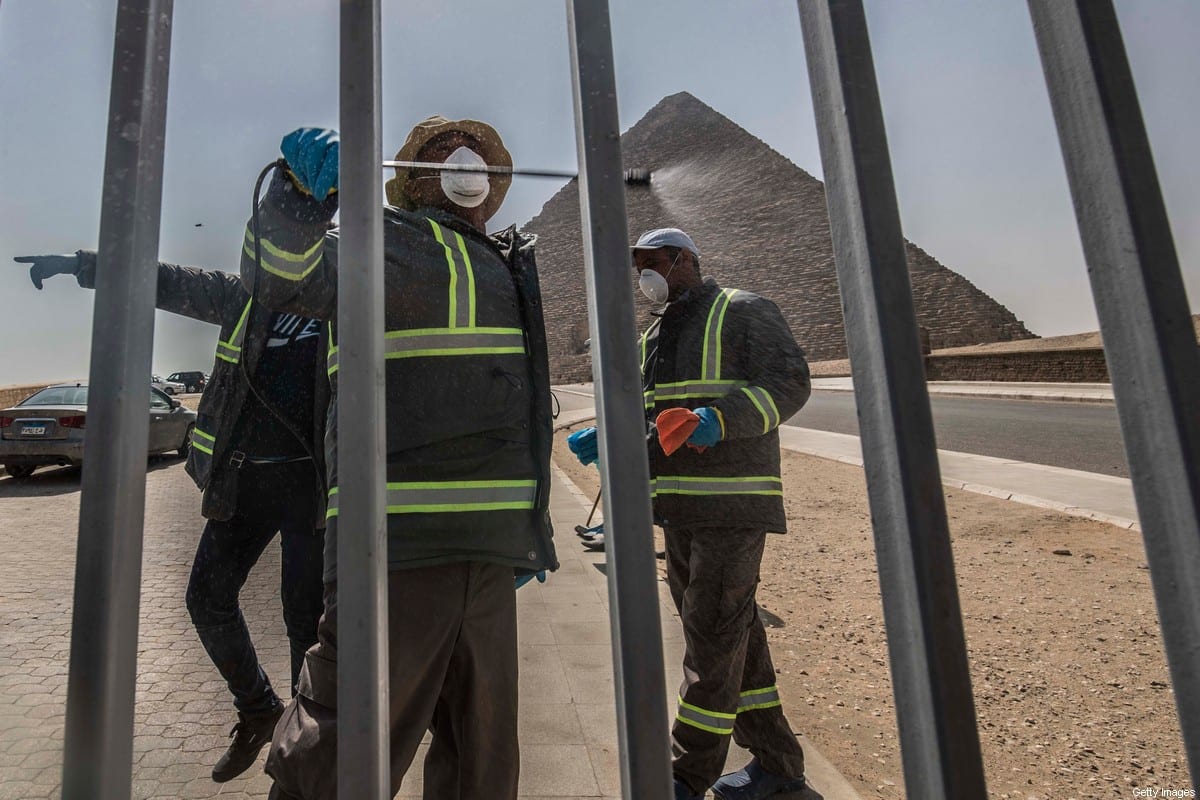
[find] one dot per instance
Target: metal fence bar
(935, 709)
(624, 471)
(98, 742)
(363, 755)
(1145, 321)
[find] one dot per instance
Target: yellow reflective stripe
(462, 248)
(231, 350)
(453, 342)
(728, 293)
(761, 399)
(198, 434)
(717, 722)
(691, 390)
(709, 485)
(284, 263)
(462, 298)
(756, 699)
(711, 355)
(655, 325)
(331, 357)
(412, 497)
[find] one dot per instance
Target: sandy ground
(1070, 681)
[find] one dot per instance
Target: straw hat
(490, 143)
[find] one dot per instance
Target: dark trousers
(271, 498)
(452, 644)
(728, 678)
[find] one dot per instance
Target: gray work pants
(728, 678)
(452, 645)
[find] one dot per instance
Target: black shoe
(250, 735)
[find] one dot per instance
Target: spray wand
(633, 177)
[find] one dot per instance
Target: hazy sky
(978, 169)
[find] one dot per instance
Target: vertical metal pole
(98, 745)
(363, 762)
(1143, 309)
(624, 471)
(934, 705)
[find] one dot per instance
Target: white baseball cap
(666, 237)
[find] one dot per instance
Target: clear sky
(978, 169)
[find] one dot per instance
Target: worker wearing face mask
(468, 447)
(720, 373)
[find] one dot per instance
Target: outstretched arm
(188, 291)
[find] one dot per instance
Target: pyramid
(761, 225)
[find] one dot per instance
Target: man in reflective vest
(468, 452)
(255, 454)
(727, 357)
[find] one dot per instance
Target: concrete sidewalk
(1106, 498)
(183, 713)
(568, 722)
(1049, 392)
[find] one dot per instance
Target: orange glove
(675, 425)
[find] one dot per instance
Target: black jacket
(732, 351)
(467, 379)
(221, 299)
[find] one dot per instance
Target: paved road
(1074, 435)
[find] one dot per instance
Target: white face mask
(654, 284)
(466, 189)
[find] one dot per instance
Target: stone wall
(1044, 366)
(761, 225)
(11, 395)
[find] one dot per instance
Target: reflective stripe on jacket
(730, 350)
(467, 379)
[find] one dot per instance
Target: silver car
(47, 427)
(167, 386)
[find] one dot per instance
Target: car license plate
(33, 430)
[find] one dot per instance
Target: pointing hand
(45, 266)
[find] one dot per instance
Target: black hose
(281, 164)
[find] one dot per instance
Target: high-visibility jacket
(467, 378)
(221, 299)
(730, 350)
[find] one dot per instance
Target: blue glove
(583, 444)
(45, 266)
(521, 580)
(312, 156)
(709, 431)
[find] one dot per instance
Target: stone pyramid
(761, 225)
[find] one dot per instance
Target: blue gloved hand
(709, 431)
(45, 266)
(312, 156)
(521, 580)
(584, 445)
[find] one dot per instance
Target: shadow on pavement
(769, 619)
(53, 481)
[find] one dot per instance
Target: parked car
(47, 427)
(167, 387)
(193, 381)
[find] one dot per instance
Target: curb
(985, 395)
(575, 417)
